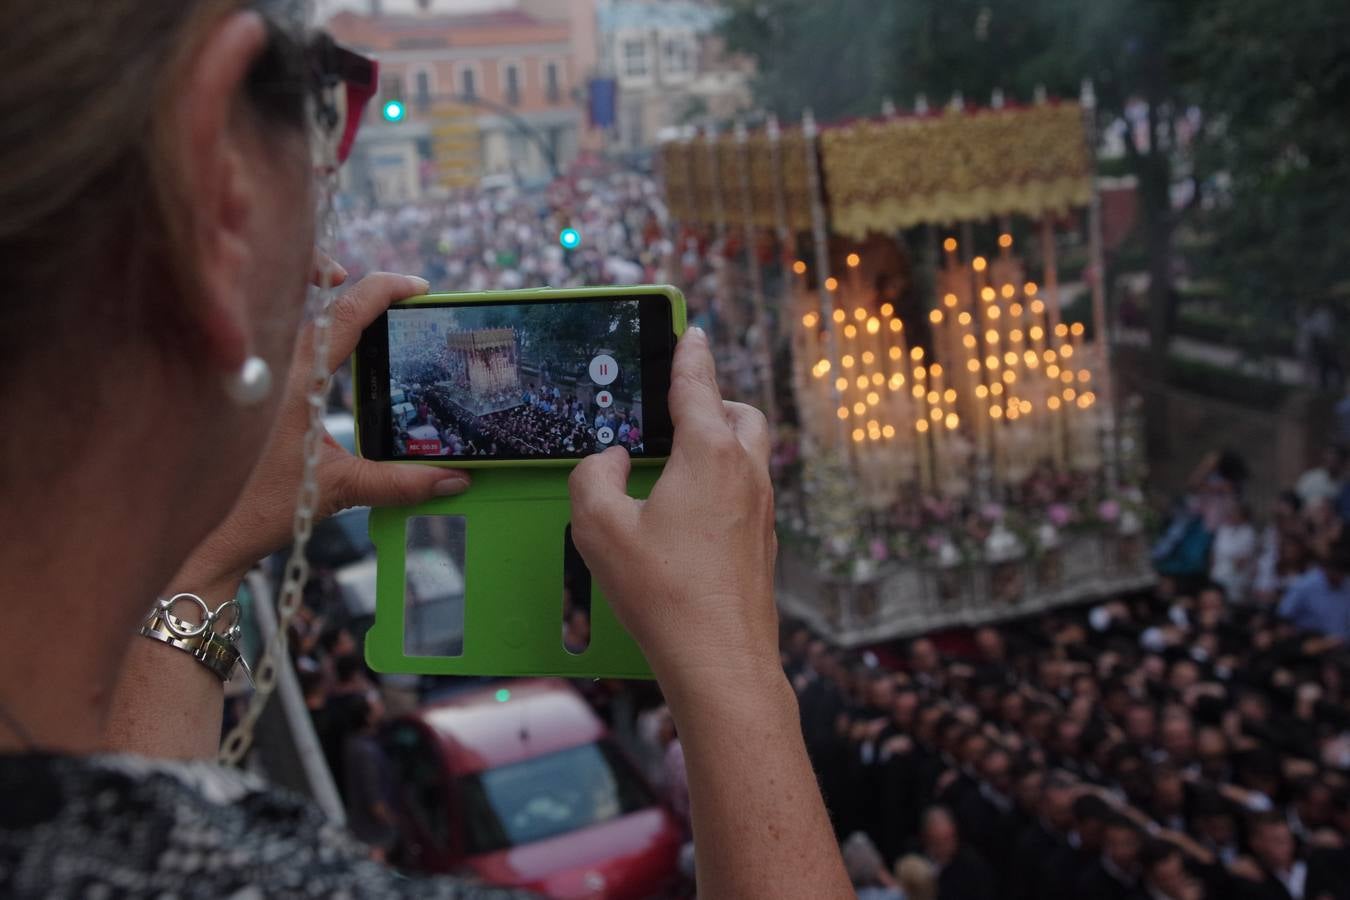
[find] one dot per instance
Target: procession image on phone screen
(515, 380)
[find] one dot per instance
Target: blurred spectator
(368, 777)
(1342, 436)
(1116, 873)
(1164, 873)
(867, 871)
(962, 875)
(1320, 600)
(1322, 484)
(916, 878)
(1286, 870)
(1283, 553)
(1234, 554)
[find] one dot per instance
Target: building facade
(670, 66)
(495, 93)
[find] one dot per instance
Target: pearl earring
(251, 384)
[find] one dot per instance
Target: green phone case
(515, 516)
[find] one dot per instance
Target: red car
(519, 785)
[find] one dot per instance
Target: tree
(1277, 91)
(842, 64)
(828, 57)
(1138, 53)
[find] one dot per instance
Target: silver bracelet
(203, 640)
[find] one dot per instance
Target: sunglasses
(288, 74)
(333, 65)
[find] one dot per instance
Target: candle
(937, 415)
(919, 391)
(856, 289)
(922, 428)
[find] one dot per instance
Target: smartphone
(512, 377)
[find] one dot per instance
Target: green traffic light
(394, 111)
(570, 238)
(503, 695)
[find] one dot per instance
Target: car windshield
(548, 796)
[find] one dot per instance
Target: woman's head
(156, 229)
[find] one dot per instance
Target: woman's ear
(212, 156)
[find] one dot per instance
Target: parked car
(520, 785)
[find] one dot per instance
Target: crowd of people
(1191, 741)
(542, 421)
(1294, 562)
(506, 239)
(1162, 745)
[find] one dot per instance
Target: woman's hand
(260, 522)
(689, 571)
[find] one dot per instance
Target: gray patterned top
(123, 826)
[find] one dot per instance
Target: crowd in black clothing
(1158, 746)
(542, 422)
(534, 431)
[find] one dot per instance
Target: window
(511, 78)
(422, 93)
(468, 83)
(547, 796)
(552, 82)
(635, 59)
(678, 57)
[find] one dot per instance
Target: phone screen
(558, 379)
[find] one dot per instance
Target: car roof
(478, 731)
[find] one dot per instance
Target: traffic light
(570, 239)
(393, 111)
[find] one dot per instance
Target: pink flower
(933, 542)
(878, 548)
(1059, 514)
(992, 512)
(1108, 511)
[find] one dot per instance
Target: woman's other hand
(260, 522)
(689, 571)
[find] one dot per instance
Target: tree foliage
(1270, 80)
(1278, 92)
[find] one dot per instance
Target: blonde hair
(917, 878)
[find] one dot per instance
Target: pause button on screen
(604, 369)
